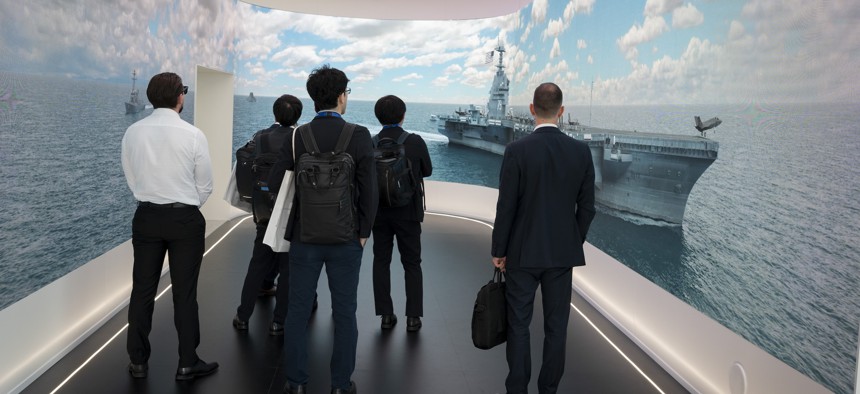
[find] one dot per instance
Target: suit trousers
(179, 233)
(408, 234)
(520, 291)
(263, 261)
(342, 263)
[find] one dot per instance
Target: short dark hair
(287, 110)
(547, 100)
(324, 86)
(163, 90)
(390, 110)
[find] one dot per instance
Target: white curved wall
(700, 353)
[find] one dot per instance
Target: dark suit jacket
(326, 131)
(546, 201)
(419, 158)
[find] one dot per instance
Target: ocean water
(768, 247)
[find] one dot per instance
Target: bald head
(547, 100)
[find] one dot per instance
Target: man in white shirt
(166, 163)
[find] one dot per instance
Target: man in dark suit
(328, 89)
(545, 206)
(287, 110)
(402, 222)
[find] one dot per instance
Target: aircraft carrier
(645, 174)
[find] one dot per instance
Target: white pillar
(213, 113)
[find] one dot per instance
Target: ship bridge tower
(497, 106)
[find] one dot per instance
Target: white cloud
(408, 77)
(653, 27)
(660, 7)
(442, 81)
(687, 16)
(556, 50)
(553, 29)
(539, 9)
(736, 30)
(302, 57)
(581, 44)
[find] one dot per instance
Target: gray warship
(134, 105)
(641, 173)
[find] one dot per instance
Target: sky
(606, 52)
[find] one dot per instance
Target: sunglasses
(348, 91)
(183, 90)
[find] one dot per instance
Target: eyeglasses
(183, 90)
(347, 91)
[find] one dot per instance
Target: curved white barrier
(700, 353)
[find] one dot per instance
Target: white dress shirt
(166, 160)
(546, 125)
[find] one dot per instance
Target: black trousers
(179, 233)
(408, 234)
(263, 262)
(521, 285)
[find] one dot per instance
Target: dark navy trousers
(408, 234)
(520, 291)
(179, 233)
(263, 262)
(342, 264)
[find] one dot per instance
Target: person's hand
(362, 241)
(499, 262)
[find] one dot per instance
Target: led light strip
(87, 361)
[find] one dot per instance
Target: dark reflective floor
(438, 359)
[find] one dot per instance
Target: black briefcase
(490, 316)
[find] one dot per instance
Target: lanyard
(328, 113)
(388, 126)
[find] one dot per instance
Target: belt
(168, 205)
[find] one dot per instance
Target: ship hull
(132, 108)
(645, 174)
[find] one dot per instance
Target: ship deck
(635, 133)
(438, 359)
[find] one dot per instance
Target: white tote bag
(232, 194)
(277, 226)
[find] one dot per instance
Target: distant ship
(646, 174)
(251, 98)
(133, 105)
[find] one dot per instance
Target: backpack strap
(345, 136)
(265, 143)
(403, 136)
(308, 138)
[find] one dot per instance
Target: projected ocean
(769, 246)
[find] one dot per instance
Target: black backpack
(244, 172)
(325, 185)
(254, 161)
(393, 171)
(263, 198)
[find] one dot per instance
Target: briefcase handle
(498, 276)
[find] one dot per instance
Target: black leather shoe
(351, 390)
(138, 371)
(276, 329)
(239, 324)
(199, 369)
(413, 324)
(388, 321)
(290, 389)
